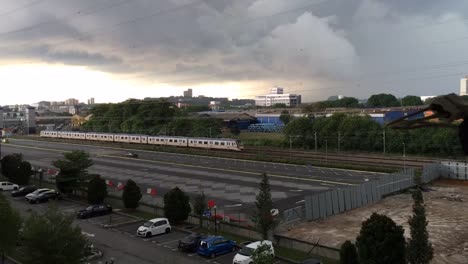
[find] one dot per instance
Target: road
(232, 183)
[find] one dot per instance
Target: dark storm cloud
(181, 42)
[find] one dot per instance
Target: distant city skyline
(236, 49)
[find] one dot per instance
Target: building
(278, 97)
(71, 101)
(91, 101)
(188, 93)
(1, 117)
(464, 86)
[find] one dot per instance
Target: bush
(176, 205)
(131, 195)
(97, 190)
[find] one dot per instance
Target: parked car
(8, 186)
(131, 155)
(94, 210)
(245, 254)
(45, 197)
(216, 245)
(23, 191)
(312, 261)
(154, 227)
(35, 193)
(190, 243)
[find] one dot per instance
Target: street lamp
(216, 221)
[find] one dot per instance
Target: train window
(216, 143)
(222, 144)
(199, 142)
(206, 142)
(170, 140)
(176, 141)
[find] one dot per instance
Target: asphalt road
(232, 183)
(120, 243)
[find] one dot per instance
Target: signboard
(211, 203)
(207, 213)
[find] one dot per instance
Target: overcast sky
(118, 49)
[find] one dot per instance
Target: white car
(8, 186)
(245, 254)
(154, 227)
(36, 193)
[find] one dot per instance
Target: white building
(277, 97)
(464, 86)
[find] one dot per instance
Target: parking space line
(172, 241)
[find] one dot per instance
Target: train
(188, 142)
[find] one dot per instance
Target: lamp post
(216, 221)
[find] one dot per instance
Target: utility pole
(404, 157)
(384, 139)
(315, 137)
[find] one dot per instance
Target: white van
(245, 254)
(154, 227)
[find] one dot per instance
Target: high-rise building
(91, 101)
(188, 93)
(464, 86)
(71, 101)
(277, 97)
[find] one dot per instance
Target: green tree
(261, 256)
(10, 164)
(52, 238)
(73, 171)
(262, 218)
(285, 117)
(280, 105)
(348, 253)
(176, 205)
(381, 241)
(419, 250)
(411, 100)
(207, 127)
(131, 195)
(199, 206)
(23, 174)
(97, 190)
(9, 228)
(382, 100)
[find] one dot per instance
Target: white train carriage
(50, 134)
(71, 135)
(214, 143)
(100, 137)
(168, 141)
(128, 138)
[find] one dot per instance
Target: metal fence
(335, 201)
(454, 170)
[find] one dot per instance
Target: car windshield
(148, 224)
(246, 251)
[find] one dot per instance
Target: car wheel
(148, 235)
(15, 188)
(168, 230)
(212, 255)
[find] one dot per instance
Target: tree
(263, 219)
(73, 171)
(176, 205)
(23, 174)
(260, 255)
(381, 241)
(280, 105)
(131, 195)
(285, 117)
(199, 206)
(419, 250)
(382, 100)
(411, 100)
(97, 190)
(9, 228)
(348, 253)
(15, 169)
(52, 238)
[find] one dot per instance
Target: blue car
(216, 245)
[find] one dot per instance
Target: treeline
(152, 117)
(361, 133)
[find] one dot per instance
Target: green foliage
(419, 249)
(9, 227)
(16, 170)
(382, 100)
(347, 102)
(285, 117)
(381, 241)
(52, 238)
(180, 127)
(199, 206)
(348, 253)
(176, 205)
(73, 171)
(262, 218)
(131, 195)
(207, 127)
(131, 116)
(97, 190)
(411, 100)
(261, 256)
(280, 105)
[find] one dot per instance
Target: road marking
(165, 243)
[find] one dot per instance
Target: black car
(191, 242)
(131, 155)
(94, 210)
(23, 191)
(45, 197)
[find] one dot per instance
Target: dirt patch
(447, 212)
